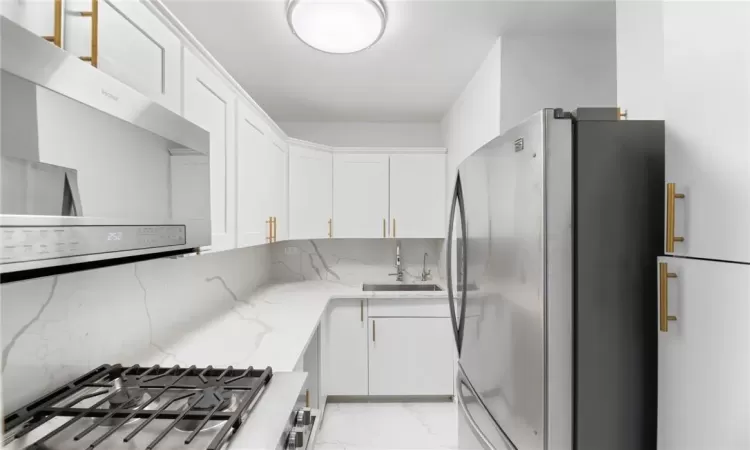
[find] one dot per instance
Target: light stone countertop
(270, 328)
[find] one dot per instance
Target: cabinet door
(133, 45)
(360, 195)
(310, 192)
(37, 16)
(345, 348)
(278, 188)
(706, 72)
(253, 178)
(704, 357)
(411, 356)
(417, 196)
(209, 102)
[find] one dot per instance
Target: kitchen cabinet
(706, 95)
(210, 103)
(39, 17)
(345, 348)
(278, 151)
(130, 43)
(704, 355)
(360, 195)
(310, 362)
(310, 192)
(254, 178)
(410, 356)
(417, 195)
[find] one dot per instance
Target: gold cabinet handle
(664, 317)
(671, 238)
(373, 330)
(383, 227)
(274, 229)
(394, 228)
(307, 398)
(94, 15)
(269, 238)
(330, 228)
(56, 37)
(361, 310)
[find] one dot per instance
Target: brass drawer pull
(56, 37)
(394, 228)
(671, 238)
(373, 330)
(269, 238)
(274, 229)
(664, 317)
(361, 310)
(330, 228)
(383, 227)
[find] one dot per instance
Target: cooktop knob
(303, 417)
(295, 439)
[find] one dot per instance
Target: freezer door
(476, 429)
(504, 352)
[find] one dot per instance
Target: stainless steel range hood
(93, 172)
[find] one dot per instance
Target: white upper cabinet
(417, 195)
(707, 112)
(133, 45)
(310, 192)
(210, 103)
(278, 187)
(38, 16)
(704, 356)
(253, 178)
(360, 195)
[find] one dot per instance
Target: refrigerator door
(504, 352)
(476, 429)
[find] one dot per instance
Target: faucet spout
(399, 270)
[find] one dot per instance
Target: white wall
(556, 71)
(474, 117)
(367, 134)
(640, 58)
(57, 328)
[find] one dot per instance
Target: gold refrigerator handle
(94, 15)
(671, 238)
(664, 317)
(56, 37)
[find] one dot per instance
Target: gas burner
(126, 398)
(214, 399)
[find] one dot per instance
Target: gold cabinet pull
(307, 398)
(94, 15)
(383, 227)
(394, 228)
(664, 317)
(56, 37)
(330, 228)
(274, 229)
(269, 238)
(361, 310)
(373, 330)
(671, 238)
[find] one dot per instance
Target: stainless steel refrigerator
(554, 231)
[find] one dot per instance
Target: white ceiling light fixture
(337, 26)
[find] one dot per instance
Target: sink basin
(400, 287)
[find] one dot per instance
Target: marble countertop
(269, 328)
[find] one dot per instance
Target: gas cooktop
(140, 408)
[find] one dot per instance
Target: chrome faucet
(399, 270)
(426, 274)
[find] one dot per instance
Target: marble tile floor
(388, 426)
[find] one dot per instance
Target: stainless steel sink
(401, 287)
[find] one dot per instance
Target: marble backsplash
(57, 328)
(353, 261)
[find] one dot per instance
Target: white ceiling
(429, 51)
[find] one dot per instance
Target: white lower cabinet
(411, 356)
(704, 356)
(345, 348)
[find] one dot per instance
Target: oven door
(91, 169)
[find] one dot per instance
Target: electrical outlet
(291, 251)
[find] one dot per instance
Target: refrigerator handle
(449, 262)
(464, 264)
(475, 429)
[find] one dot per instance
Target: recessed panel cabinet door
(704, 355)
(707, 94)
(37, 16)
(210, 103)
(253, 178)
(310, 193)
(132, 45)
(360, 195)
(411, 356)
(278, 188)
(345, 347)
(417, 195)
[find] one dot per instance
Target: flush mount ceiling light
(337, 26)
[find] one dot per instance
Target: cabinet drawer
(408, 307)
